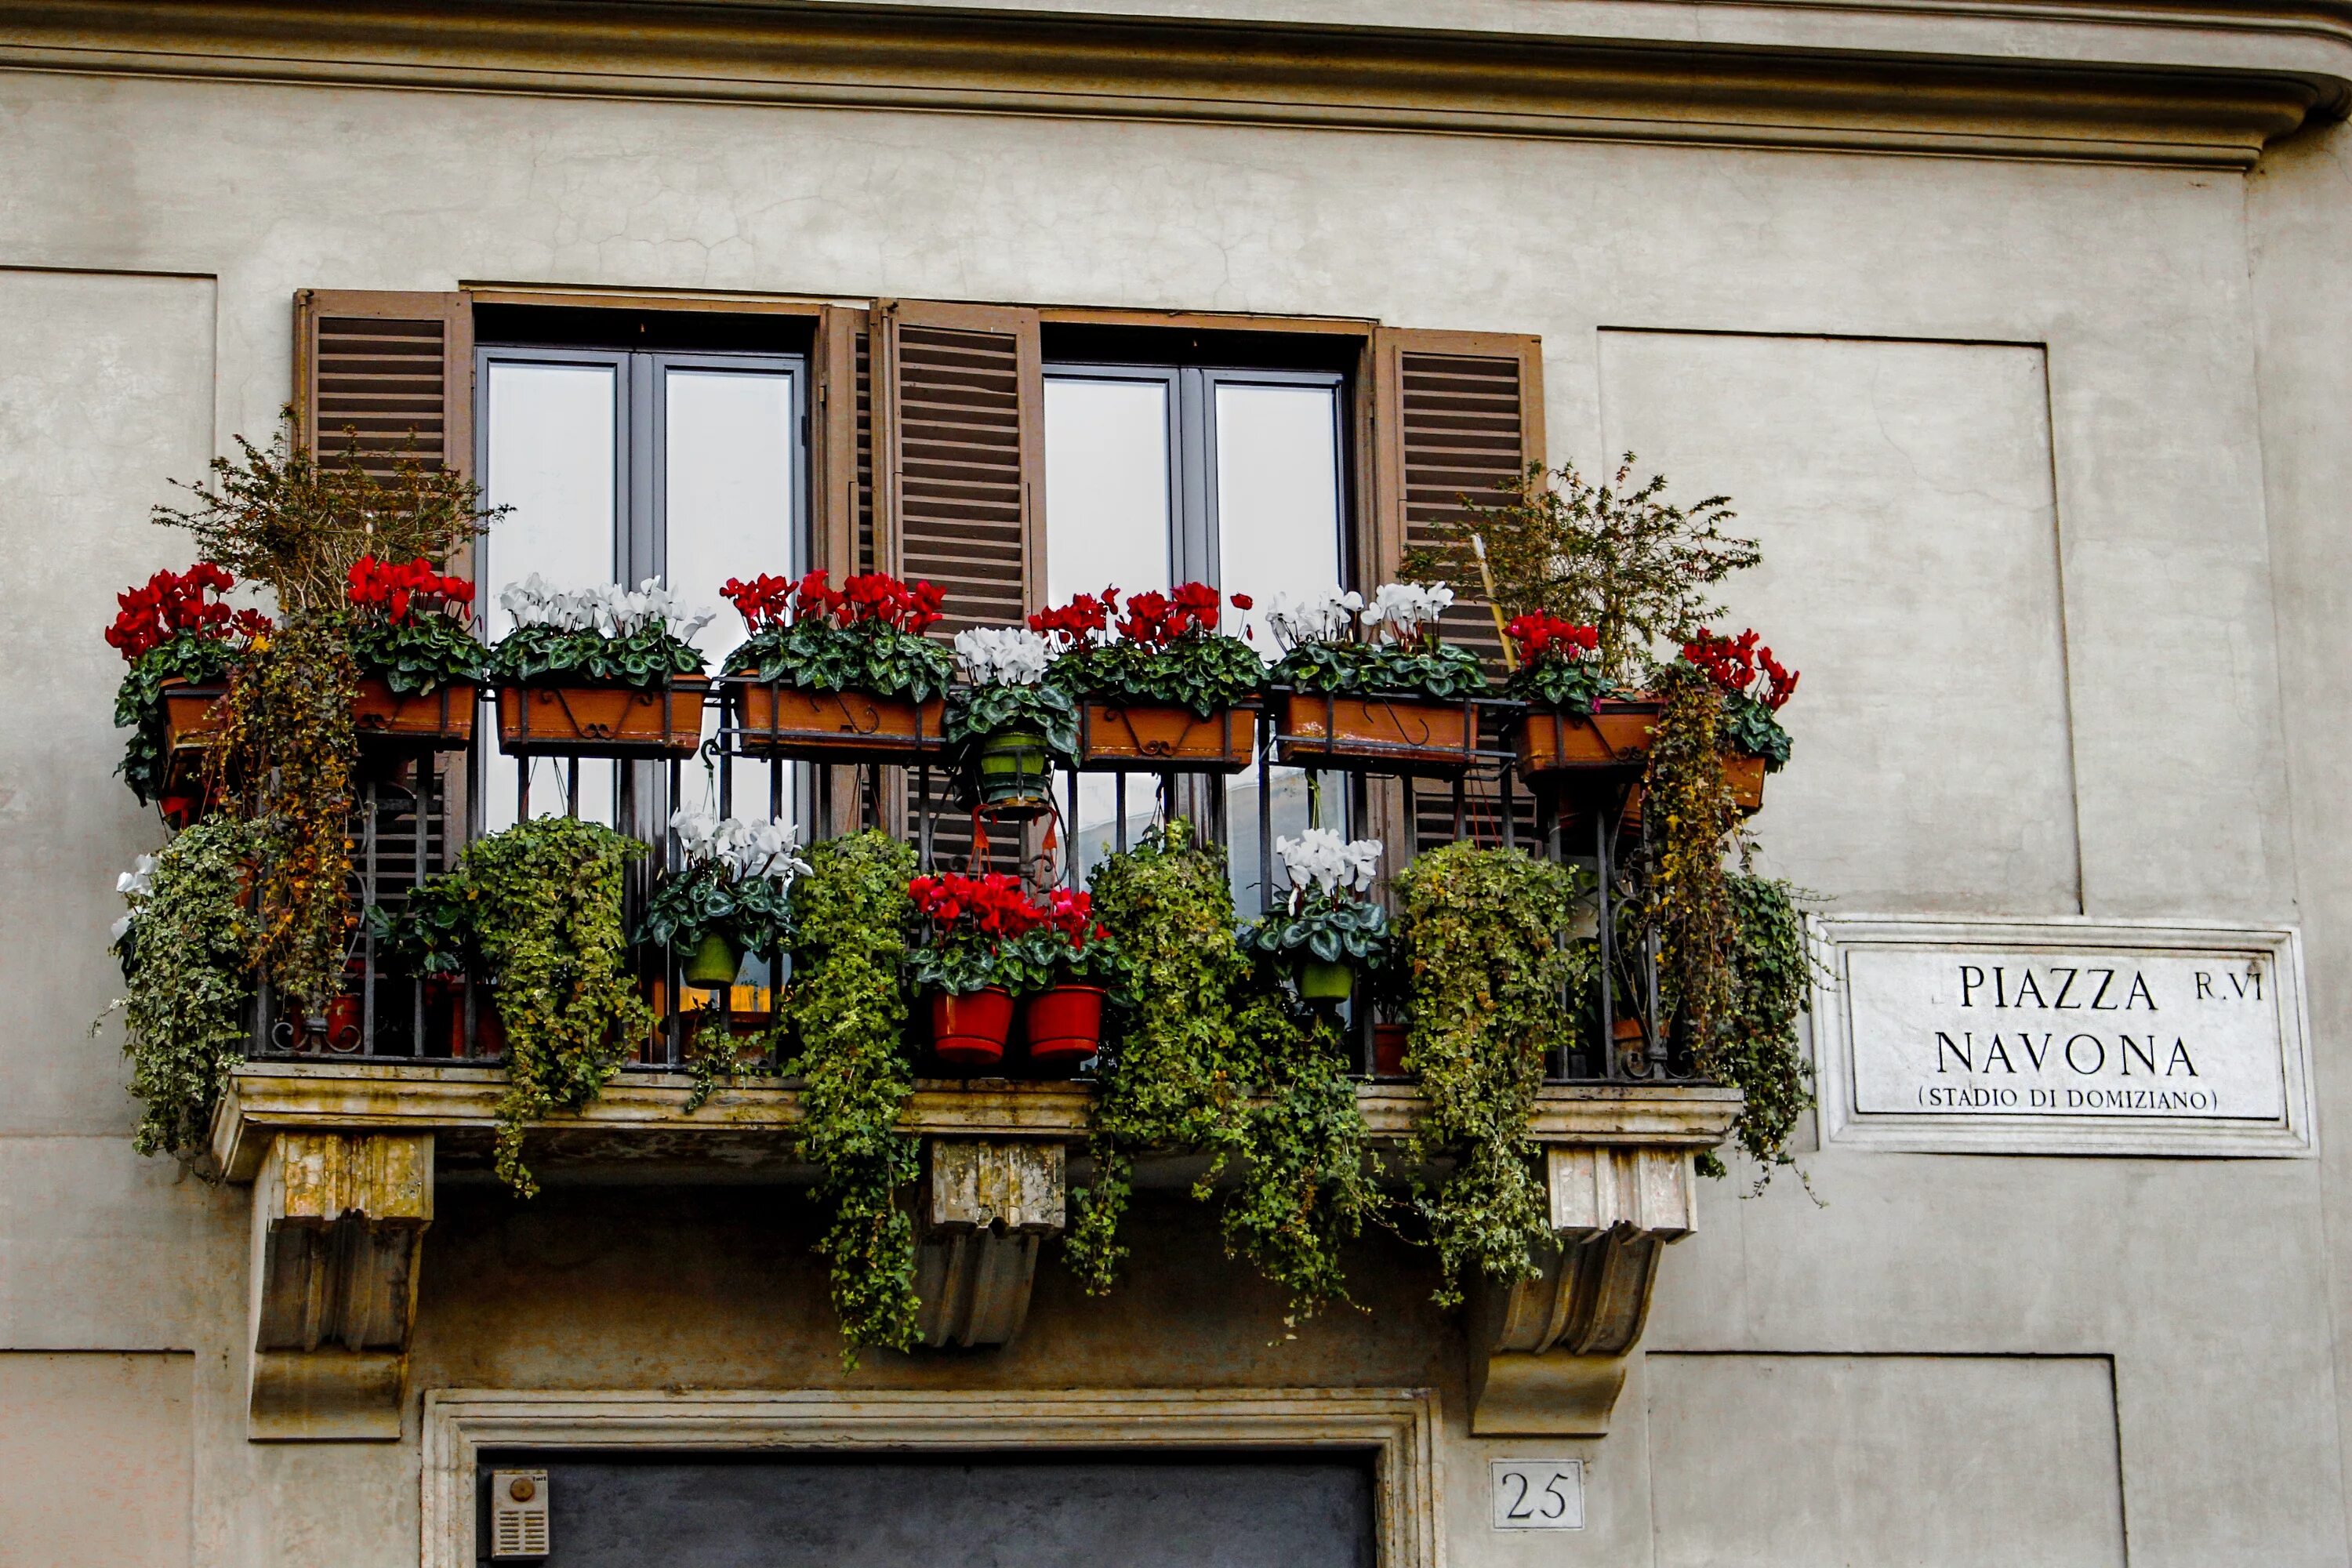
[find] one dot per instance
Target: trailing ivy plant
(184, 947)
(1216, 1061)
(286, 752)
(849, 1015)
(1491, 991)
(1690, 818)
(544, 897)
(1757, 1049)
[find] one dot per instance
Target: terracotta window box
(1615, 734)
(1114, 739)
(441, 720)
(777, 720)
(601, 720)
(1376, 734)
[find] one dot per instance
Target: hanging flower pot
(441, 720)
(1375, 734)
(1324, 982)
(1063, 1025)
(970, 1030)
(714, 961)
(1112, 737)
(1615, 734)
(777, 720)
(1015, 768)
(603, 720)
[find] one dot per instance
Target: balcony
(345, 1121)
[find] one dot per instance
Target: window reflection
(551, 455)
(728, 510)
(1107, 521)
(1279, 530)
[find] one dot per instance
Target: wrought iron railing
(417, 806)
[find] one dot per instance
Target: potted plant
(1575, 718)
(1755, 687)
(598, 672)
(839, 675)
(180, 644)
(969, 960)
(413, 641)
(1010, 721)
(1329, 927)
(1396, 699)
(1078, 966)
(730, 896)
(1159, 686)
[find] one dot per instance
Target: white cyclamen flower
(605, 608)
(1404, 609)
(140, 880)
(1002, 656)
(1321, 619)
(1321, 857)
(746, 847)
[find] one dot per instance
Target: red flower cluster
(1742, 667)
(1073, 914)
(1540, 636)
(375, 584)
(992, 905)
(173, 603)
(770, 601)
(1152, 620)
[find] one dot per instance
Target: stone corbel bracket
(987, 1206)
(338, 1223)
(1548, 1355)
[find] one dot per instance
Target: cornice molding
(2207, 84)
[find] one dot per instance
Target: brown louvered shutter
(1455, 413)
(376, 367)
(958, 470)
(958, 482)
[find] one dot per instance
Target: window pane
(1278, 532)
(729, 496)
(1107, 524)
(552, 457)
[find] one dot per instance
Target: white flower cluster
(1403, 609)
(607, 608)
(746, 847)
(1320, 857)
(1002, 656)
(1322, 620)
(137, 883)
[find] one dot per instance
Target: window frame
(641, 520)
(1194, 544)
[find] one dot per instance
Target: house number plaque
(1537, 1494)
(2061, 1037)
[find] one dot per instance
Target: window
(625, 465)
(1160, 474)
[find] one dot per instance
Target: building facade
(2019, 334)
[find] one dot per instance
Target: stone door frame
(1396, 1425)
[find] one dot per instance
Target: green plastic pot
(713, 962)
(1321, 980)
(1015, 767)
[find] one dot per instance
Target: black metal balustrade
(417, 805)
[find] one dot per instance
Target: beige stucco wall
(2070, 426)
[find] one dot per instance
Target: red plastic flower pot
(969, 1031)
(1064, 1025)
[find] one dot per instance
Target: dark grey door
(1256, 1510)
